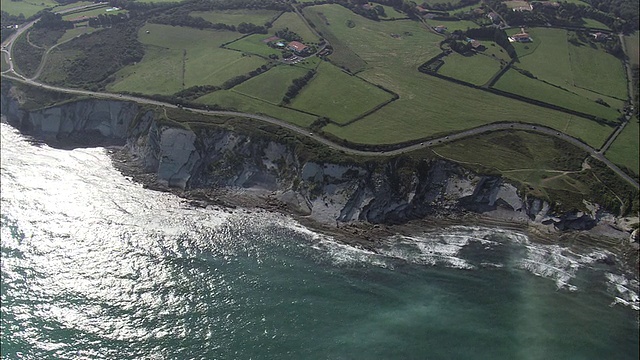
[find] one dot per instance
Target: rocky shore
(355, 202)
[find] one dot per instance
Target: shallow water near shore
(95, 266)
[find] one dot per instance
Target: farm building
(494, 17)
(297, 47)
(523, 37)
(599, 36)
(441, 29)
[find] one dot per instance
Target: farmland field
(453, 25)
(71, 33)
(167, 48)
(390, 13)
(552, 58)
(92, 13)
(73, 5)
(253, 44)
(516, 83)
(292, 21)
(425, 107)
(26, 7)
(632, 44)
(272, 85)
(538, 161)
(598, 71)
(476, 69)
(625, 149)
(235, 17)
(594, 24)
(233, 100)
(337, 95)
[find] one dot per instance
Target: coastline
(369, 236)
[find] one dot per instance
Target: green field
(342, 55)
(390, 13)
(552, 58)
(253, 44)
(92, 13)
(594, 24)
(516, 83)
(169, 50)
(632, 42)
(5, 64)
(598, 71)
(292, 21)
(476, 69)
(272, 85)
(235, 17)
(73, 5)
(26, 7)
(625, 149)
(71, 33)
(428, 106)
(338, 96)
(452, 26)
(540, 162)
(233, 100)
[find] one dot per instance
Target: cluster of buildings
(296, 47)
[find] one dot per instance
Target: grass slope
(625, 149)
(336, 95)
(476, 69)
(233, 100)
(253, 44)
(235, 17)
(169, 48)
(516, 83)
(428, 106)
(292, 21)
(26, 7)
(272, 85)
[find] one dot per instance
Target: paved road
(11, 74)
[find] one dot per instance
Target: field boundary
(517, 97)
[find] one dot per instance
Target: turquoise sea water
(96, 267)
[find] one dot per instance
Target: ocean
(94, 266)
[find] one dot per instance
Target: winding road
(595, 153)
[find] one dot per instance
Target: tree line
(297, 85)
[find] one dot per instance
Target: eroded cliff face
(391, 191)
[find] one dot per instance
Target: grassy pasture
(549, 60)
(390, 12)
(26, 7)
(253, 44)
(594, 24)
(292, 21)
(537, 161)
(235, 17)
(552, 58)
(625, 149)
(159, 72)
(234, 100)
(452, 26)
(72, 5)
(92, 13)
(5, 64)
(516, 83)
(426, 105)
(476, 69)
(169, 50)
(337, 95)
(71, 33)
(632, 43)
(342, 54)
(596, 70)
(496, 51)
(272, 85)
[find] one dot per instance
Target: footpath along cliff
(386, 191)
